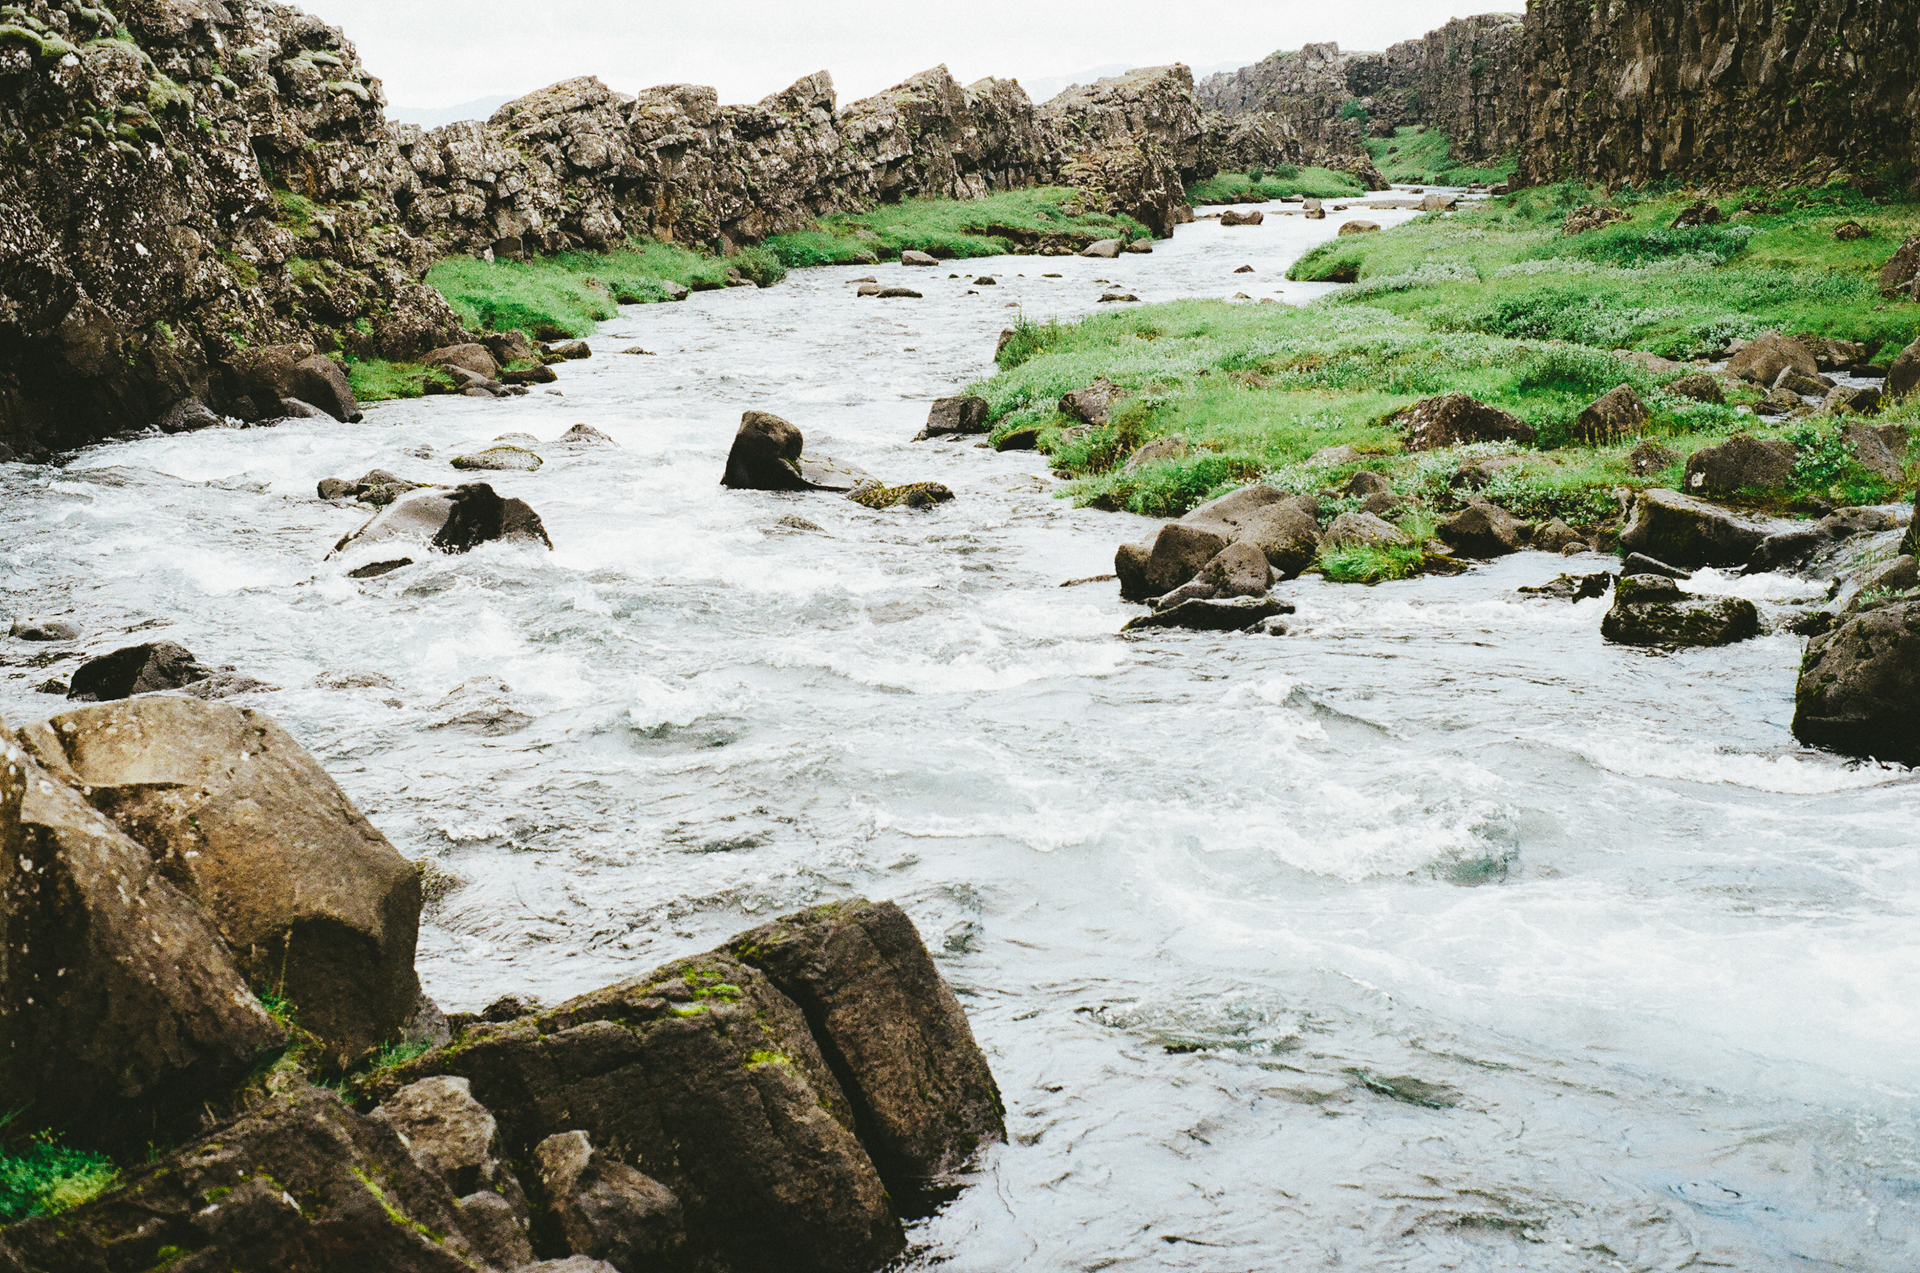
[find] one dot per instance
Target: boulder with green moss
(1653, 610)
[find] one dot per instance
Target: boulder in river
(1555, 536)
(1691, 533)
(450, 519)
(121, 1013)
(1742, 462)
(1652, 610)
(964, 414)
(1618, 413)
(1208, 615)
(306, 893)
(1175, 555)
(1859, 686)
(1234, 217)
(1284, 527)
(1455, 418)
(912, 495)
(474, 358)
(765, 455)
(1104, 248)
(29, 628)
(499, 459)
(912, 257)
(704, 1074)
(148, 668)
(1484, 530)
(895, 294)
(1762, 359)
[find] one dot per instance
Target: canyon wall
(1726, 92)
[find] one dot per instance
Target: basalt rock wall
(184, 179)
(1723, 92)
(1465, 79)
(580, 165)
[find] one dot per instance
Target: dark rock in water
(1108, 297)
(566, 351)
(708, 1076)
(1232, 217)
(1484, 530)
(1742, 462)
(1641, 564)
(509, 347)
(1177, 553)
(605, 1209)
(334, 488)
(373, 570)
(500, 459)
(914, 495)
(1284, 527)
(1572, 587)
(765, 455)
(188, 416)
(32, 629)
(321, 382)
(538, 374)
(1650, 457)
(1240, 570)
(1616, 414)
(924, 1098)
(1018, 440)
(229, 1202)
(1556, 536)
(955, 415)
(914, 257)
(120, 1010)
(306, 893)
(1203, 615)
(1701, 386)
(896, 294)
(584, 435)
(1093, 404)
(1454, 418)
(136, 669)
(1859, 687)
(1651, 610)
(1690, 533)
(479, 516)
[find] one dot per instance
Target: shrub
(43, 1177)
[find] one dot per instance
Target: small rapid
(1438, 935)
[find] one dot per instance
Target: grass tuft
(990, 226)
(1422, 157)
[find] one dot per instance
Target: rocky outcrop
(1690, 533)
(1723, 94)
(121, 1013)
(1652, 610)
(185, 180)
(307, 895)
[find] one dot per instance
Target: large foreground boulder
(1454, 418)
(1175, 555)
(1284, 527)
(947, 416)
(1690, 533)
(765, 455)
(705, 1077)
(121, 1013)
(302, 1185)
(310, 898)
(895, 1036)
(1652, 610)
(1859, 688)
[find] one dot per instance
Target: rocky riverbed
(1437, 934)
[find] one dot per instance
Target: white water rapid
(1439, 935)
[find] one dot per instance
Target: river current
(1437, 935)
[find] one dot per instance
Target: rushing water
(1437, 935)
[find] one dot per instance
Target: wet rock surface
(1652, 610)
(1690, 533)
(137, 669)
(1859, 686)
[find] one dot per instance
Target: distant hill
(480, 108)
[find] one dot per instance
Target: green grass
(40, 1176)
(566, 295)
(1421, 157)
(377, 380)
(1257, 390)
(1280, 183)
(964, 227)
(1358, 563)
(1508, 270)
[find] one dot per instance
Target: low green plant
(1363, 563)
(1284, 181)
(961, 228)
(41, 1176)
(377, 380)
(398, 1053)
(1423, 156)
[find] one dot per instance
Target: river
(1438, 935)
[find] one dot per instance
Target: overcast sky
(443, 53)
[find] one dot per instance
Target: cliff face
(1297, 96)
(577, 164)
(1465, 79)
(1721, 91)
(185, 179)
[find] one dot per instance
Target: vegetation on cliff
(1496, 303)
(1286, 181)
(1012, 221)
(1424, 156)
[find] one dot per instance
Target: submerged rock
(1571, 587)
(1859, 686)
(913, 495)
(136, 669)
(29, 628)
(1652, 610)
(1205, 615)
(1175, 555)
(305, 892)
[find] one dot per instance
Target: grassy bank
(1258, 390)
(992, 226)
(1421, 157)
(1284, 182)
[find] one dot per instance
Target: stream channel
(1437, 935)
